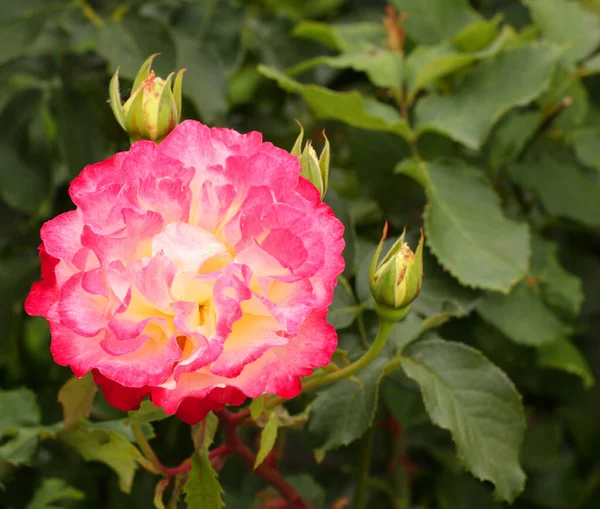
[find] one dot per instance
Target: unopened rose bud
(396, 281)
(153, 109)
(315, 169)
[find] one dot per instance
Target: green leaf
(211, 424)
(426, 65)
(511, 137)
(562, 290)
(202, 488)
(204, 83)
(478, 35)
(568, 95)
(18, 35)
(432, 21)
(108, 447)
(586, 142)
(383, 67)
(22, 10)
(256, 407)
(344, 308)
(522, 316)
(349, 37)
(478, 102)
(562, 188)
(267, 439)
(473, 399)
(342, 413)
(563, 355)
(148, 412)
(302, 10)
(566, 23)
(21, 187)
(311, 490)
(349, 107)
(80, 137)
(21, 447)
(403, 399)
(19, 426)
(18, 409)
(459, 231)
(442, 297)
(77, 398)
(592, 66)
(53, 490)
(119, 426)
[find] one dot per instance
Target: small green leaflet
(256, 407)
(19, 426)
(350, 107)
(53, 490)
(563, 355)
(148, 412)
(267, 439)
(203, 490)
(77, 398)
(108, 447)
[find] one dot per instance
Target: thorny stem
(271, 475)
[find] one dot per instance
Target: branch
(272, 476)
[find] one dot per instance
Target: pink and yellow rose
(197, 272)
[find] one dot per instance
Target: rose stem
(149, 454)
(269, 474)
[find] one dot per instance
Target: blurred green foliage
(486, 129)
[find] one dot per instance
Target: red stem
(172, 472)
(222, 450)
(240, 416)
(272, 476)
(217, 452)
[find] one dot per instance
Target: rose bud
(153, 109)
(315, 169)
(396, 281)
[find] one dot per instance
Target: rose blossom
(197, 272)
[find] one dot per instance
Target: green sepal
(297, 148)
(324, 161)
(166, 115)
(310, 167)
(373, 266)
(115, 99)
(144, 72)
(391, 314)
(177, 91)
(134, 120)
